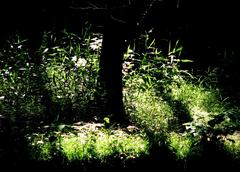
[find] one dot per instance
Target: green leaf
(186, 60)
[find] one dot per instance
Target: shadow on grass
(212, 157)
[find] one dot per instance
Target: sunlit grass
(102, 145)
(174, 106)
(156, 95)
(180, 145)
(89, 144)
(156, 113)
(199, 100)
(232, 145)
(148, 111)
(77, 147)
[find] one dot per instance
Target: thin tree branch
(88, 8)
(118, 20)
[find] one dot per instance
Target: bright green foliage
(202, 104)
(76, 148)
(66, 71)
(147, 87)
(200, 100)
(161, 98)
(232, 145)
(150, 112)
(169, 105)
(180, 145)
(71, 68)
(89, 143)
(102, 145)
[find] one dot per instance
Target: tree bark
(113, 48)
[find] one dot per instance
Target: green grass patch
(172, 105)
(149, 112)
(168, 105)
(89, 143)
(232, 145)
(180, 145)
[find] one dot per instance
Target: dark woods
(120, 21)
(208, 30)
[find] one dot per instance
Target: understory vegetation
(52, 109)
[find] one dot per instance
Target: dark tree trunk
(111, 59)
(121, 25)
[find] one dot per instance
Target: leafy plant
(62, 83)
(18, 87)
(150, 77)
(162, 98)
(72, 70)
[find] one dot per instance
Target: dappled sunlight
(180, 144)
(177, 109)
(167, 107)
(198, 98)
(89, 141)
(232, 145)
(149, 111)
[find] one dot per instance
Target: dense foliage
(55, 107)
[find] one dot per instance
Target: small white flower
(81, 62)
(6, 72)
(2, 97)
(40, 142)
(96, 43)
(59, 97)
(74, 58)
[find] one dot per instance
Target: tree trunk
(111, 59)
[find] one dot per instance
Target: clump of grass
(161, 98)
(147, 86)
(232, 145)
(40, 147)
(150, 112)
(77, 147)
(71, 67)
(88, 144)
(201, 104)
(199, 99)
(180, 145)
(64, 75)
(102, 145)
